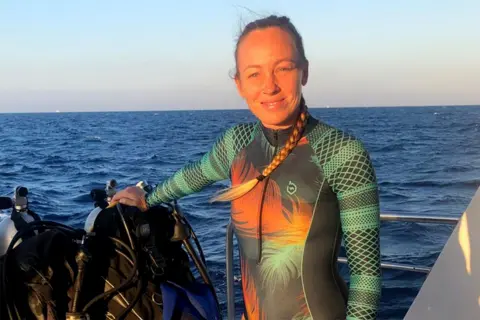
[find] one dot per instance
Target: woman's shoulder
(342, 157)
(327, 138)
(241, 131)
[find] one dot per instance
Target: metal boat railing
(418, 218)
(386, 265)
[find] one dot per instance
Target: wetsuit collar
(279, 137)
(276, 137)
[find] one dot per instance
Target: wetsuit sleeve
(352, 178)
(211, 167)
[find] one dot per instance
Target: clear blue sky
(138, 55)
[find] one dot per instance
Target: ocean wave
(92, 139)
(469, 183)
(396, 147)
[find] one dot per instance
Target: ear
(305, 73)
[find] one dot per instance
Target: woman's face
(270, 76)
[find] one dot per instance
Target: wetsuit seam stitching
(320, 168)
(260, 222)
(305, 243)
(332, 260)
(253, 134)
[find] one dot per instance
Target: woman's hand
(131, 196)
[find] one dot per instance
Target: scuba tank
(101, 198)
(20, 217)
(111, 189)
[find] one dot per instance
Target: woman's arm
(354, 182)
(213, 166)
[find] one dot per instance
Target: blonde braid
(238, 191)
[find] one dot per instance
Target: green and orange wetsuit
(290, 226)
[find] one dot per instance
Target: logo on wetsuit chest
(291, 188)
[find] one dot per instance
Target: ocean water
(427, 161)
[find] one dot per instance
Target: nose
(270, 86)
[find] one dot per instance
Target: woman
(299, 186)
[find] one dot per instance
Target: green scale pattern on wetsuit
(348, 170)
(212, 167)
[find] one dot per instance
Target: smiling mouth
(273, 104)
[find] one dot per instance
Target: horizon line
(244, 108)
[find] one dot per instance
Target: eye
(285, 68)
(253, 75)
